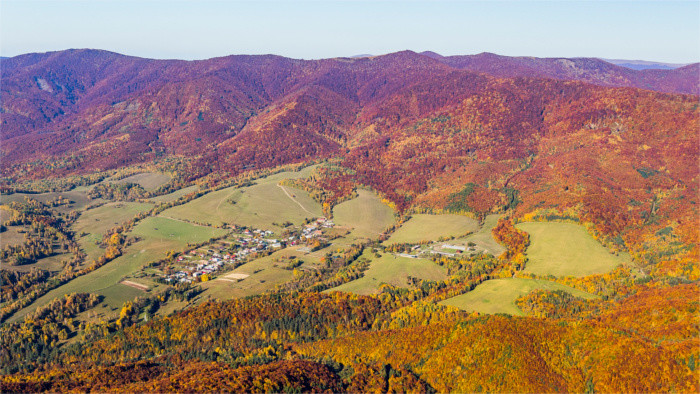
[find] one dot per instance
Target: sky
(665, 31)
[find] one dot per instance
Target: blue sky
(656, 30)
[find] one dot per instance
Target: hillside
(406, 222)
(683, 79)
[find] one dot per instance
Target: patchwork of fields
(566, 249)
(264, 205)
(559, 249)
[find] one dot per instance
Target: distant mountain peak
(431, 54)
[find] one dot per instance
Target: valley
(407, 222)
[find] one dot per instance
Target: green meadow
(77, 196)
(483, 238)
(499, 295)
(259, 206)
(566, 249)
(366, 215)
(175, 195)
(393, 270)
(147, 180)
(422, 227)
(107, 216)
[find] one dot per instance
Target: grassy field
(499, 295)
(423, 227)
(367, 215)
(566, 249)
(175, 195)
(163, 229)
(51, 263)
(393, 270)
(148, 180)
(12, 236)
(78, 196)
(483, 238)
(258, 206)
(96, 222)
(105, 217)
(5, 214)
(158, 235)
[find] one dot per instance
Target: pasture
(422, 227)
(258, 206)
(77, 196)
(366, 215)
(147, 180)
(163, 229)
(14, 235)
(100, 219)
(393, 270)
(51, 263)
(483, 238)
(158, 236)
(174, 195)
(566, 249)
(499, 295)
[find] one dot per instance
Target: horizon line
(607, 59)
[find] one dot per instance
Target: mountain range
(79, 101)
(579, 140)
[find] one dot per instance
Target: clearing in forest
(393, 270)
(99, 220)
(147, 180)
(499, 295)
(566, 249)
(483, 238)
(422, 227)
(366, 214)
(175, 195)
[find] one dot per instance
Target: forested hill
(90, 109)
(422, 130)
(591, 70)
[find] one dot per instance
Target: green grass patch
(423, 227)
(499, 295)
(164, 229)
(12, 236)
(100, 219)
(175, 195)
(566, 249)
(147, 180)
(366, 214)
(258, 206)
(78, 196)
(483, 239)
(51, 263)
(393, 270)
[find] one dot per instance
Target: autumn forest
(400, 223)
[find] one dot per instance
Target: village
(242, 246)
